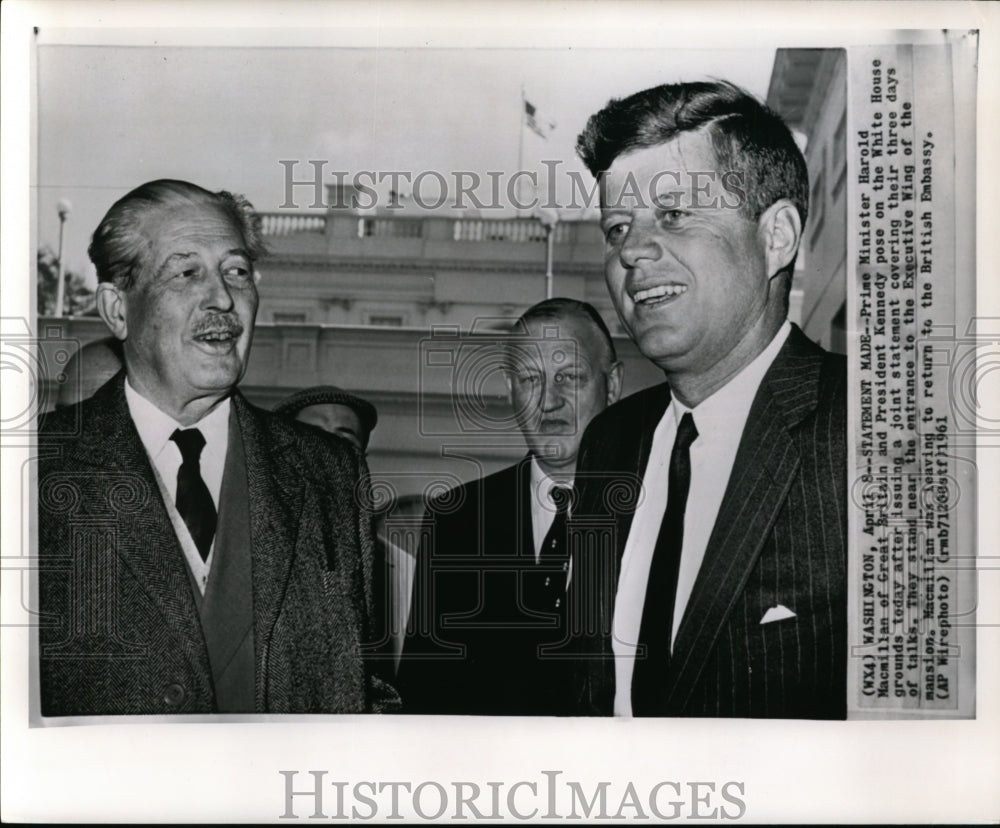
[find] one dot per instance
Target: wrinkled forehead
(189, 228)
(554, 343)
(342, 415)
(331, 416)
(676, 173)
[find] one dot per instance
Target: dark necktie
(653, 655)
(553, 557)
(194, 502)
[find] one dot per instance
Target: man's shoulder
(805, 367)
(639, 401)
(482, 490)
(505, 477)
(95, 420)
(799, 348)
(283, 432)
(831, 403)
(833, 375)
(61, 422)
(631, 411)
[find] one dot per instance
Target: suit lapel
(274, 489)
(766, 463)
(227, 608)
(111, 446)
(523, 531)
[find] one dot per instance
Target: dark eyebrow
(614, 211)
(173, 257)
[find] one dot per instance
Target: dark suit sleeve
(383, 697)
(420, 683)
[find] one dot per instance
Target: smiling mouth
(219, 338)
(658, 295)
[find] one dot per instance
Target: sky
(110, 117)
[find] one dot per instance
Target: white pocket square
(778, 613)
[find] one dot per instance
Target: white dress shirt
(720, 420)
(154, 429)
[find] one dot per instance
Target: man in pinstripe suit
(709, 567)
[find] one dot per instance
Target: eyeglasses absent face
(189, 316)
(686, 268)
(337, 419)
(558, 380)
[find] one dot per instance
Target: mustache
(219, 323)
(559, 422)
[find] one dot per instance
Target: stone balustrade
(288, 224)
(509, 230)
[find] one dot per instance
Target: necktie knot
(687, 432)
(561, 497)
(190, 441)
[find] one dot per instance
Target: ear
(781, 230)
(614, 375)
(111, 306)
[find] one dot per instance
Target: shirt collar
(735, 397)
(155, 427)
(542, 484)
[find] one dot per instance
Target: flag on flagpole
(530, 118)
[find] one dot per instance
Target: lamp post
(549, 219)
(64, 208)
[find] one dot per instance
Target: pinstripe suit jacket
(779, 539)
(120, 631)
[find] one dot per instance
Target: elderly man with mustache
(197, 554)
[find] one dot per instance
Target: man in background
(197, 554)
(334, 410)
(721, 590)
(489, 595)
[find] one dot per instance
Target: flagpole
(550, 237)
(520, 151)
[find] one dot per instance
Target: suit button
(173, 695)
